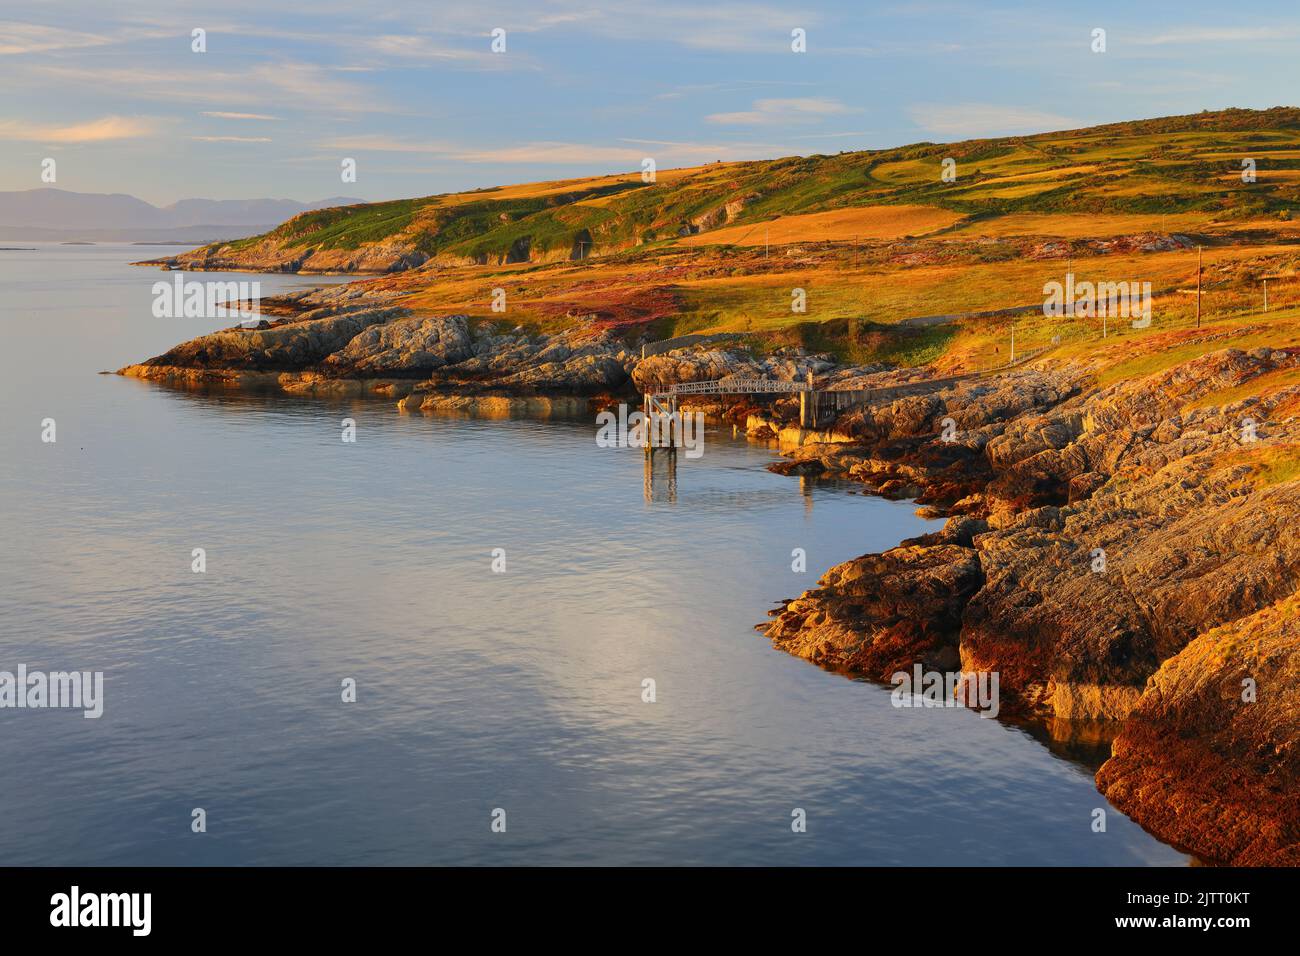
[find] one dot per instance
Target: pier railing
(730, 386)
(814, 404)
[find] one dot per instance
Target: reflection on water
(664, 476)
(475, 690)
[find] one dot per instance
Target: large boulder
(1210, 758)
(879, 614)
(410, 344)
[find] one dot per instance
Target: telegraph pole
(1198, 287)
(1265, 293)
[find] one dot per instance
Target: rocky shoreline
(1123, 552)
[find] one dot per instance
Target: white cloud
(94, 131)
(303, 85)
(770, 112)
(379, 143)
(232, 139)
(977, 120)
(16, 38)
(727, 27)
(1214, 35)
(220, 114)
(564, 154)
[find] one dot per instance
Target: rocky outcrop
(269, 255)
(287, 346)
(1118, 525)
(407, 344)
(709, 364)
(360, 344)
(882, 613)
(1210, 758)
(346, 334)
(1117, 554)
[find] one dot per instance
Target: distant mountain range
(60, 215)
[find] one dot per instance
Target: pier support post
(808, 406)
(647, 406)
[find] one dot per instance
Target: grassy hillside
(1180, 173)
(893, 264)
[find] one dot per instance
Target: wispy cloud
(17, 38)
(696, 89)
(724, 27)
(220, 114)
(554, 154)
(306, 85)
(1187, 35)
(231, 139)
(427, 50)
(380, 143)
(543, 152)
(771, 112)
(962, 120)
(546, 153)
(94, 131)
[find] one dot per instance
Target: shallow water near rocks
(475, 690)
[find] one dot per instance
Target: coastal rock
(1109, 529)
(706, 365)
(270, 255)
(409, 344)
(290, 347)
(1210, 758)
(879, 614)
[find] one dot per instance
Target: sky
(414, 93)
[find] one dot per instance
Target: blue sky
(413, 92)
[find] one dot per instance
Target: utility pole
(1069, 285)
(1012, 360)
(1198, 287)
(765, 252)
(1265, 293)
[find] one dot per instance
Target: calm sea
(476, 691)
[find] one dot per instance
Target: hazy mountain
(57, 214)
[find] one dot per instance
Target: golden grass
(1264, 176)
(1256, 154)
(929, 169)
(1269, 464)
(560, 186)
(1149, 186)
(835, 225)
(1261, 386)
(1280, 329)
(1083, 225)
(979, 190)
(1052, 173)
